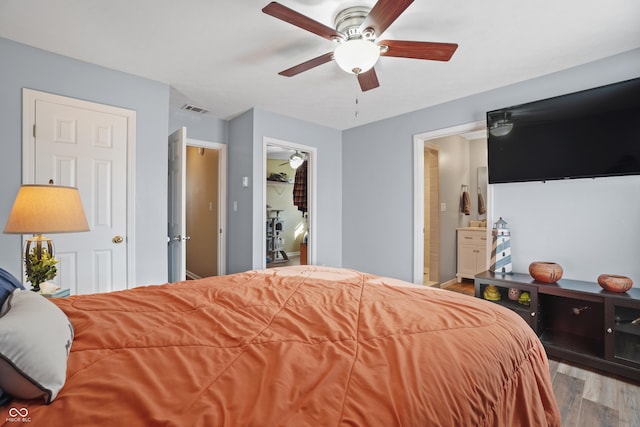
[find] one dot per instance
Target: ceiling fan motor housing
(348, 22)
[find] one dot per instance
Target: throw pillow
(7, 284)
(35, 339)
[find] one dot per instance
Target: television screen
(587, 134)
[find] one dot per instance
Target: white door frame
(222, 197)
(419, 141)
(311, 195)
(29, 97)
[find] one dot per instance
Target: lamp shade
(44, 209)
(356, 55)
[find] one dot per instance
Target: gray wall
(328, 143)
(199, 126)
(246, 136)
(26, 67)
(379, 191)
(240, 222)
(365, 194)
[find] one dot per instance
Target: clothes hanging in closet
(300, 187)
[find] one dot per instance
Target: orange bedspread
(297, 346)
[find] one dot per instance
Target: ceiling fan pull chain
(357, 113)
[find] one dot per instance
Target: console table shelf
(576, 320)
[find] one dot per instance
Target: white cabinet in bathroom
(472, 252)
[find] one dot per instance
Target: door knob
(117, 239)
(179, 237)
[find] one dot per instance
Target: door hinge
(34, 130)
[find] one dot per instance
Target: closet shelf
(278, 183)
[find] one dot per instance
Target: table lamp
(40, 209)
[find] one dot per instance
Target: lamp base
(38, 240)
(39, 261)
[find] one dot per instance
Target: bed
(294, 346)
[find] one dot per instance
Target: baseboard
(192, 276)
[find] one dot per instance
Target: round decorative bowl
(615, 283)
(547, 272)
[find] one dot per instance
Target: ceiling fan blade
(322, 59)
(299, 20)
(368, 80)
(383, 14)
(419, 50)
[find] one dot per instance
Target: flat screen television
(587, 134)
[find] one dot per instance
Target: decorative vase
(525, 298)
(615, 283)
(547, 272)
(491, 293)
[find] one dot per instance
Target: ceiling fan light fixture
(501, 129)
(501, 126)
(356, 55)
(296, 160)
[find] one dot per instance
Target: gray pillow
(35, 339)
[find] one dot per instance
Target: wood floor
(587, 398)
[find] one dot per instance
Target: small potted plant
(41, 269)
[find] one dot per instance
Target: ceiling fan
(356, 30)
(295, 160)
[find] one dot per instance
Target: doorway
(202, 212)
(428, 209)
(89, 146)
(431, 215)
(196, 207)
(288, 204)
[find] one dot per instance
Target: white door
(176, 204)
(85, 145)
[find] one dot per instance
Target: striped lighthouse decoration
(501, 248)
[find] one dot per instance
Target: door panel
(87, 148)
(176, 212)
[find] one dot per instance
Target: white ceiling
(225, 55)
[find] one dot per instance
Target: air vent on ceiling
(195, 109)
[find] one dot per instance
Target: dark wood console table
(577, 321)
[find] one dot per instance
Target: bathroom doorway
(459, 149)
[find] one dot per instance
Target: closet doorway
(289, 189)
